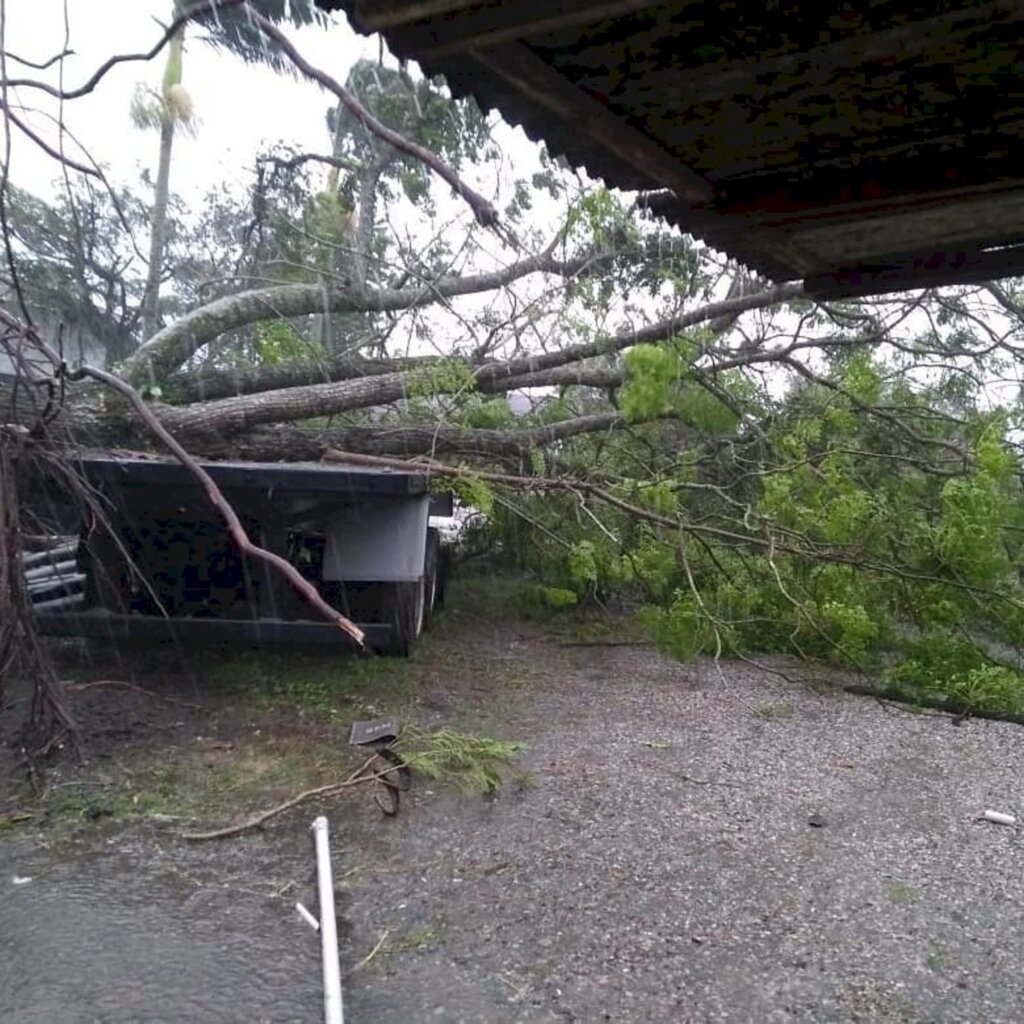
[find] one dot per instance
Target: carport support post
(333, 1010)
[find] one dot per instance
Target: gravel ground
(696, 846)
(707, 847)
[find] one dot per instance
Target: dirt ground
(682, 843)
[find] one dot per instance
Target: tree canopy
(754, 472)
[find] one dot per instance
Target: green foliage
(69, 252)
(231, 28)
(418, 109)
(487, 413)
(439, 378)
(277, 341)
(935, 659)
(557, 597)
(653, 374)
(955, 670)
(862, 379)
(603, 219)
(682, 629)
(875, 530)
(469, 489)
(582, 563)
(473, 764)
(854, 630)
(659, 382)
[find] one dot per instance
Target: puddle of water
(96, 944)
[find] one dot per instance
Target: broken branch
(219, 502)
(355, 779)
(484, 212)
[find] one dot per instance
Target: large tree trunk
(513, 447)
(172, 347)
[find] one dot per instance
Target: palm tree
(230, 29)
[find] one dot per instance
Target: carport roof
(860, 146)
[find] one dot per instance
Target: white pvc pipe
(333, 1011)
(999, 817)
(32, 558)
(51, 569)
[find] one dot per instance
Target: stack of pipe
(52, 574)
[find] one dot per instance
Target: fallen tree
(760, 471)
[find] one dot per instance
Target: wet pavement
(697, 846)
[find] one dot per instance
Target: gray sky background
(237, 105)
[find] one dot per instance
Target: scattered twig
(97, 683)
(919, 704)
(355, 779)
(373, 952)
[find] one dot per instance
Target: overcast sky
(237, 105)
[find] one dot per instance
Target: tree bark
(210, 384)
(172, 347)
(290, 443)
(206, 384)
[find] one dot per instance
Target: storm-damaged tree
(761, 472)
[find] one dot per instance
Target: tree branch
(176, 344)
(222, 505)
(767, 542)
(486, 215)
(513, 447)
(659, 331)
(204, 7)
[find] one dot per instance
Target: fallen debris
(373, 952)
(356, 778)
(333, 1007)
(998, 818)
(307, 917)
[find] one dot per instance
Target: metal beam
(546, 88)
(946, 266)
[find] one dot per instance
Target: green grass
(281, 724)
(330, 688)
(217, 781)
(193, 782)
(901, 893)
(772, 711)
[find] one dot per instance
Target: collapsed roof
(865, 146)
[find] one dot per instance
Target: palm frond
(232, 29)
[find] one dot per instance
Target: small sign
(381, 730)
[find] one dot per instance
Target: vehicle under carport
(150, 559)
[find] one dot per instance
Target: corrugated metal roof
(856, 145)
